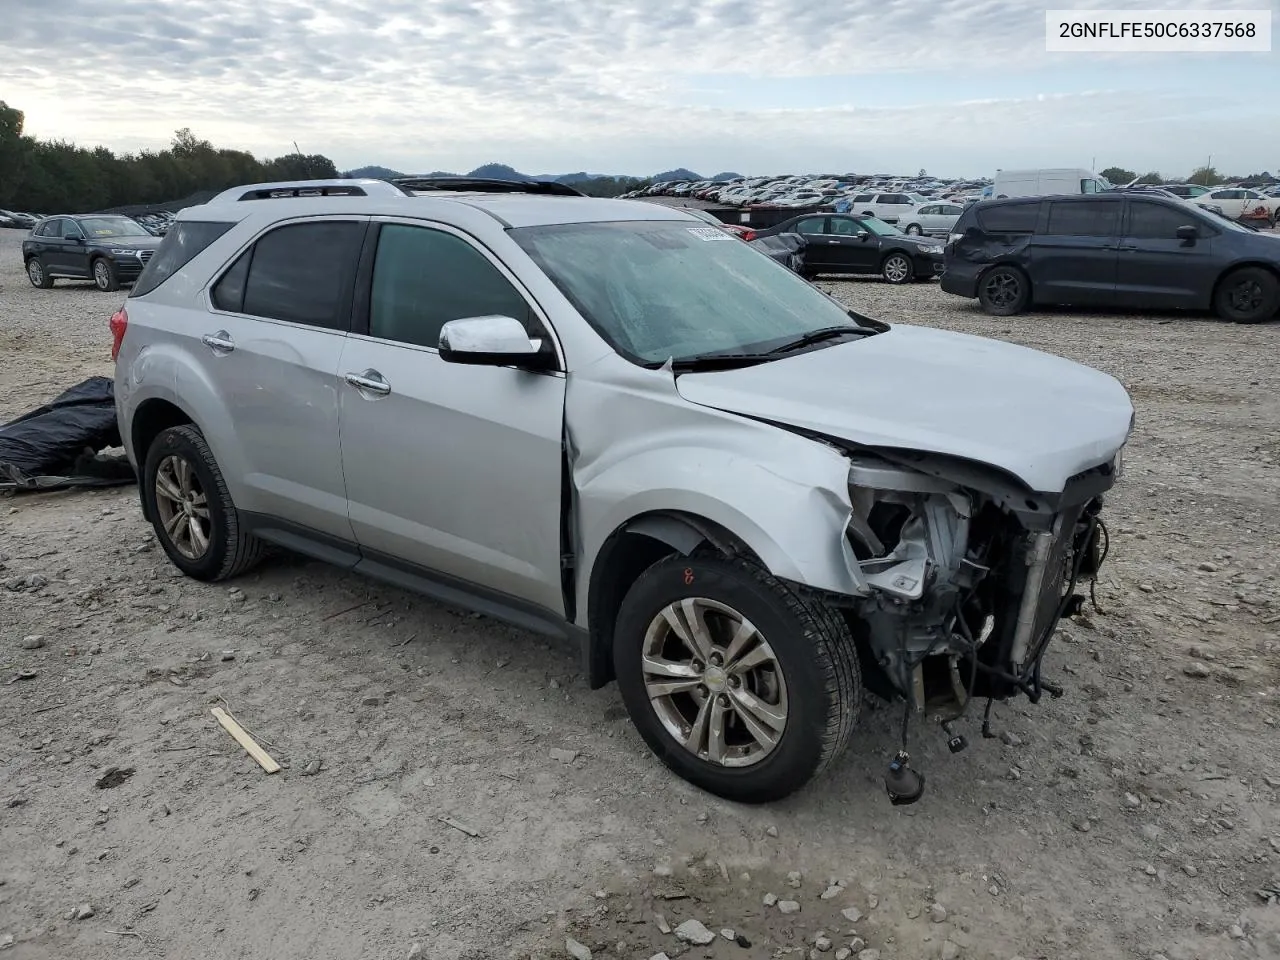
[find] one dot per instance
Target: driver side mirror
(863, 235)
(1188, 234)
(494, 342)
(74, 239)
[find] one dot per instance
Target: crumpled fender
(638, 448)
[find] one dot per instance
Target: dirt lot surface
(1136, 817)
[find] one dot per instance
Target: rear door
(819, 252)
(270, 344)
(47, 240)
(1155, 268)
(1074, 256)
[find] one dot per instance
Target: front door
(271, 340)
(1155, 268)
(74, 255)
(1074, 259)
(450, 468)
(852, 254)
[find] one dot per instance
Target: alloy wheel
(1246, 296)
(896, 269)
(1003, 289)
(35, 272)
(102, 274)
(183, 507)
(714, 682)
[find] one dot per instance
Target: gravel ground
(1136, 817)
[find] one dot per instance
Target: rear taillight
(119, 324)
(749, 236)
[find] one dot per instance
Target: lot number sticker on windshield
(709, 233)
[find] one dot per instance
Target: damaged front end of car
(968, 575)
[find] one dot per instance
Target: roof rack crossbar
(549, 188)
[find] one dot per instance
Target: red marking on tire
(688, 575)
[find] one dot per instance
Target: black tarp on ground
(58, 444)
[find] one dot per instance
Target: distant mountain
(500, 171)
(375, 173)
(680, 173)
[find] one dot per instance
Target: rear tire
(913, 230)
(38, 275)
(804, 678)
(1004, 291)
(191, 509)
(1247, 295)
(104, 275)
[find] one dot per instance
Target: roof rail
(549, 188)
(309, 188)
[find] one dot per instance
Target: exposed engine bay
(967, 578)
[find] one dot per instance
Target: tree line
(1202, 176)
(56, 176)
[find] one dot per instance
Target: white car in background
(887, 206)
(1239, 203)
(931, 219)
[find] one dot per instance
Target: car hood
(1036, 416)
(130, 243)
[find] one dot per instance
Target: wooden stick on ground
(250, 745)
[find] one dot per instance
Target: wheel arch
(152, 417)
(631, 549)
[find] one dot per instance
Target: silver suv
(607, 420)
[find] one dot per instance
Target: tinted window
(71, 229)
(864, 198)
(844, 227)
(51, 228)
(812, 225)
(228, 292)
(1083, 218)
(301, 273)
(1011, 218)
(184, 240)
(424, 278)
(951, 210)
(1155, 221)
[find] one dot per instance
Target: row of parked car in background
(157, 223)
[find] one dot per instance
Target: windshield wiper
(719, 361)
(820, 335)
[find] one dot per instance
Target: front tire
(1004, 291)
(897, 269)
(1247, 295)
(741, 685)
(914, 230)
(38, 275)
(104, 275)
(191, 509)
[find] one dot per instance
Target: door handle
(1128, 246)
(219, 342)
(370, 381)
(833, 241)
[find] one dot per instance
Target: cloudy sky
(958, 87)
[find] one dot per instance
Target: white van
(1045, 183)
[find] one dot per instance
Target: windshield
(112, 227)
(660, 290)
(878, 227)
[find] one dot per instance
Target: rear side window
(1083, 218)
(1011, 218)
(181, 244)
(301, 273)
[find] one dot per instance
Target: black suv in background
(1133, 249)
(109, 250)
